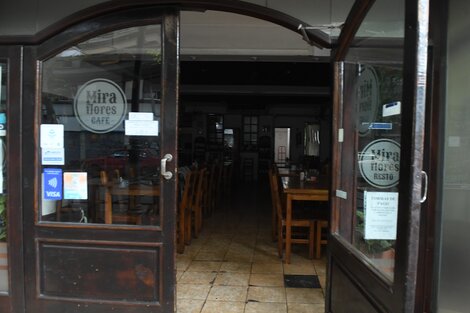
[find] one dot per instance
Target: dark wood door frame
(14, 300)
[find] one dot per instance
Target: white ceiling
(215, 33)
(220, 33)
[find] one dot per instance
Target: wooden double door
(99, 111)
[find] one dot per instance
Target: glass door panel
(99, 135)
(371, 150)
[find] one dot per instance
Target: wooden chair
(188, 217)
(273, 171)
(210, 190)
(115, 218)
(184, 212)
(197, 200)
(320, 237)
(227, 179)
(309, 224)
(67, 211)
(219, 191)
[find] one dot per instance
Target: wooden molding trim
(233, 6)
(353, 22)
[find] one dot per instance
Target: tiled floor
(233, 266)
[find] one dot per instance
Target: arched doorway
(47, 243)
(80, 252)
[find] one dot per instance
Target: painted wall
(454, 267)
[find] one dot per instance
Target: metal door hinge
(340, 134)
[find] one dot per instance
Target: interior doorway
(281, 145)
(255, 111)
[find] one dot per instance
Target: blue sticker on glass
(386, 126)
(53, 184)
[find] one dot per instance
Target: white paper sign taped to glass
(75, 185)
(51, 156)
(52, 184)
(100, 105)
(141, 124)
(52, 136)
(379, 163)
(381, 212)
(392, 108)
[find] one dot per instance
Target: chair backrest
(187, 187)
(104, 178)
(275, 193)
(199, 187)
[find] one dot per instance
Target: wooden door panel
(94, 264)
(346, 297)
(100, 271)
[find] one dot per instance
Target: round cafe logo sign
(367, 97)
(100, 105)
(379, 163)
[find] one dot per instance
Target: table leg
(288, 228)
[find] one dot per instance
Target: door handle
(167, 175)
(425, 194)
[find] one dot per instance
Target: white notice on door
(52, 136)
(381, 211)
(141, 128)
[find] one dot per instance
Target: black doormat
(301, 281)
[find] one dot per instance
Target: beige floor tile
(236, 267)
(321, 270)
(210, 255)
(299, 269)
(267, 280)
(179, 274)
(238, 257)
(267, 268)
(260, 307)
(305, 308)
(266, 257)
(267, 294)
(183, 263)
(227, 293)
(241, 249)
(216, 247)
(322, 280)
(234, 260)
(267, 247)
(304, 295)
(191, 250)
(232, 279)
(191, 291)
(204, 278)
(245, 239)
(189, 306)
(322, 262)
(223, 307)
(204, 266)
(301, 259)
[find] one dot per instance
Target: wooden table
(303, 191)
(131, 190)
(287, 172)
